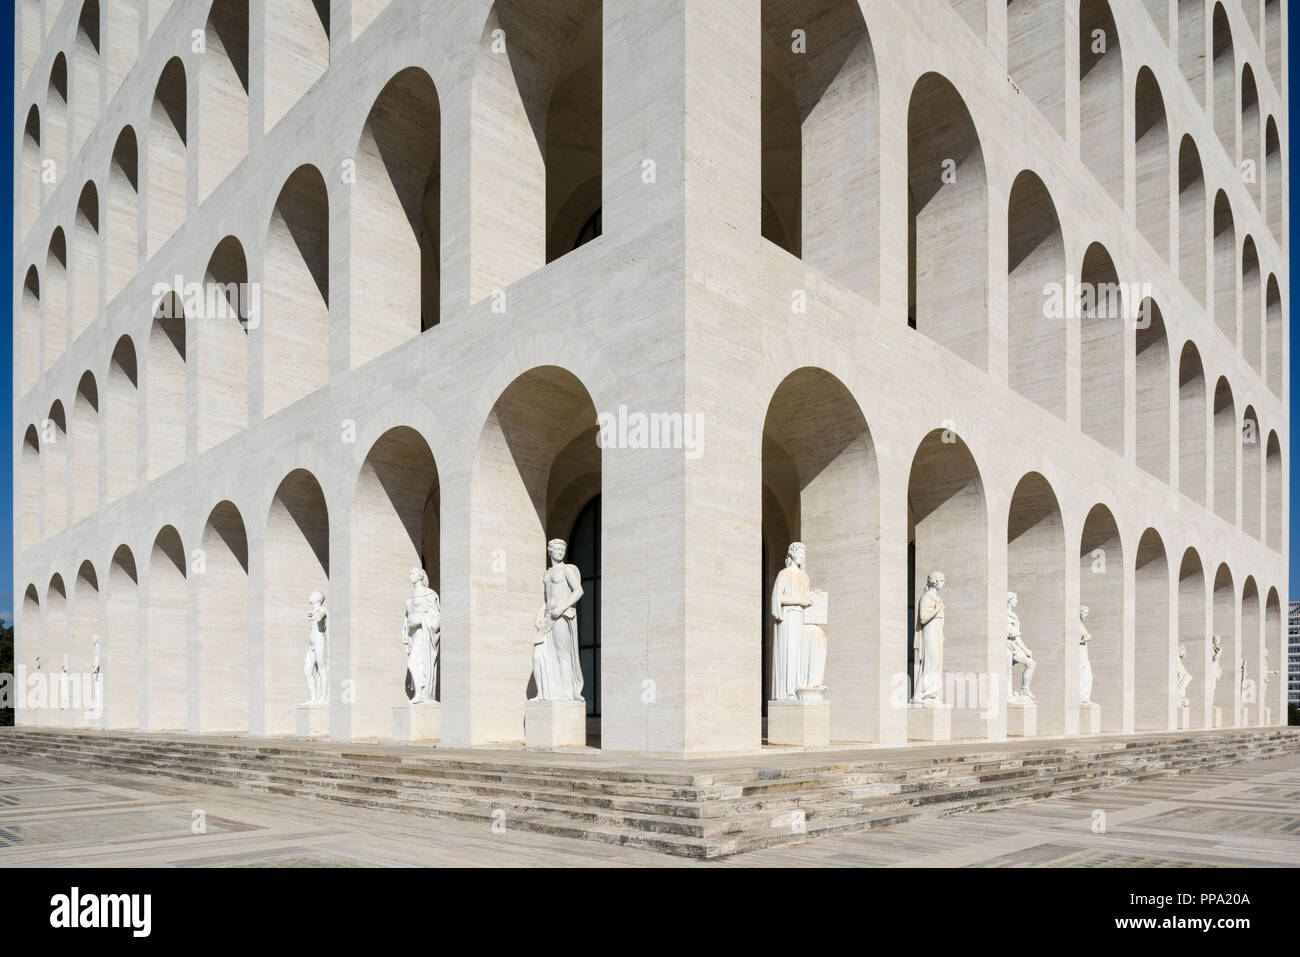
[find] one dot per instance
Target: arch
(395, 527)
(1101, 96)
(221, 346)
(55, 313)
(297, 53)
(122, 35)
(83, 449)
(1273, 39)
(1274, 669)
(821, 486)
(1102, 311)
(167, 191)
(1151, 161)
(121, 648)
(166, 388)
(54, 458)
(123, 213)
(820, 140)
(85, 261)
(1252, 312)
(1036, 574)
(223, 93)
(223, 644)
(1191, 219)
(1250, 661)
(1193, 634)
(1225, 268)
(56, 120)
(1274, 179)
(295, 342)
(55, 628)
(1101, 591)
(1035, 263)
(948, 259)
(1252, 473)
(1153, 659)
(85, 75)
(1224, 71)
(540, 435)
(30, 204)
(1252, 159)
(1274, 337)
(1273, 480)
(85, 632)
(297, 563)
(948, 527)
(30, 336)
(30, 481)
(29, 653)
(1191, 45)
(1193, 422)
(1035, 52)
(166, 654)
(1217, 695)
(535, 137)
(1152, 407)
(1226, 440)
(122, 421)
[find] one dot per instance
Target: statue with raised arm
(316, 664)
(799, 645)
(1184, 677)
(421, 633)
(1018, 654)
(1216, 669)
(557, 667)
(1085, 665)
(927, 643)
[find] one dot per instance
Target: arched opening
(295, 339)
(1153, 660)
(1226, 439)
(165, 388)
(166, 655)
(1193, 634)
(1101, 591)
(535, 137)
(1035, 52)
(54, 435)
(1274, 337)
(1191, 45)
(1252, 314)
(30, 335)
(85, 261)
(122, 421)
(1273, 39)
(1251, 157)
(1036, 574)
(223, 647)
(123, 36)
(1101, 96)
(85, 75)
(1151, 156)
(55, 313)
(1224, 72)
(536, 465)
(121, 650)
(221, 341)
(1152, 410)
(395, 528)
(1274, 180)
(297, 53)
(30, 206)
(1102, 311)
(1248, 678)
(30, 479)
(84, 449)
(123, 213)
(33, 35)
(1252, 473)
(167, 186)
(1273, 478)
(85, 633)
(948, 532)
(54, 646)
(1191, 219)
(820, 139)
(1217, 694)
(821, 487)
(56, 120)
(223, 93)
(1193, 423)
(1035, 263)
(1275, 663)
(28, 652)
(948, 255)
(297, 563)
(1225, 268)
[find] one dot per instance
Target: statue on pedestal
(1184, 677)
(1085, 665)
(1018, 654)
(315, 666)
(799, 645)
(421, 633)
(557, 667)
(927, 643)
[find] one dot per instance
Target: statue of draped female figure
(557, 666)
(799, 644)
(421, 633)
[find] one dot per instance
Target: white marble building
(823, 234)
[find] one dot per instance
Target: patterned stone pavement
(54, 815)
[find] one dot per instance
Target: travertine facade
(845, 240)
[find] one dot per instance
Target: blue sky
(6, 362)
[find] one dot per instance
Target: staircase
(697, 809)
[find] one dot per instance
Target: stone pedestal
(799, 724)
(929, 723)
(414, 723)
(1022, 719)
(1216, 717)
(555, 724)
(1184, 719)
(312, 720)
(1090, 718)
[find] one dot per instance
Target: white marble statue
(316, 664)
(799, 645)
(1018, 654)
(1184, 676)
(1085, 665)
(421, 633)
(557, 667)
(1216, 669)
(927, 643)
